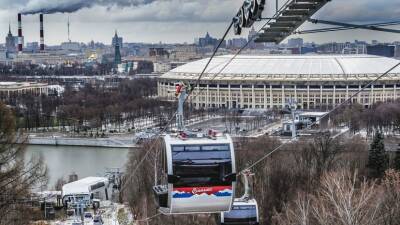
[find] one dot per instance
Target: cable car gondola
(244, 210)
(242, 213)
(200, 171)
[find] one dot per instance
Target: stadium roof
(306, 67)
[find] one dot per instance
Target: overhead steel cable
(322, 117)
(202, 74)
(228, 63)
(204, 71)
(174, 115)
(250, 40)
(172, 118)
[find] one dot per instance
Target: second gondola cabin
(244, 212)
(201, 174)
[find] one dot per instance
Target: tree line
(62, 70)
(92, 107)
(382, 116)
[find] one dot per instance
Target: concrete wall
(98, 142)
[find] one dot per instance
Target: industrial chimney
(41, 33)
(19, 33)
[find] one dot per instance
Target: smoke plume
(70, 6)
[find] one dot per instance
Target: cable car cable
(172, 118)
(258, 33)
(333, 110)
(202, 74)
(228, 62)
(208, 63)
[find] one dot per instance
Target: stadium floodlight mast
(248, 14)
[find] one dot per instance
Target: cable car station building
(267, 82)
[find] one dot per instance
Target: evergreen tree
(377, 159)
(396, 163)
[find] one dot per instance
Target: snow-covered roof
(306, 66)
(317, 114)
(82, 186)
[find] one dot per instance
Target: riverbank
(109, 142)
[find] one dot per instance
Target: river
(62, 161)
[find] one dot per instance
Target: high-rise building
(160, 53)
(296, 42)
(207, 41)
(71, 46)
(32, 46)
(10, 42)
(185, 52)
(116, 39)
(252, 34)
(382, 50)
(117, 57)
(237, 42)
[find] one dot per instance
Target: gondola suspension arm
(247, 179)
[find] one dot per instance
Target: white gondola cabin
(242, 213)
(201, 174)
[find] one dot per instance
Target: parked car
(88, 215)
(97, 220)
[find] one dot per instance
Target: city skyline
(168, 21)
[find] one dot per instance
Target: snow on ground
(111, 214)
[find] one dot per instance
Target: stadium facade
(313, 81)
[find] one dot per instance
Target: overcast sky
(174, 21)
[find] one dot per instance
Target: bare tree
(389, 213)
(341, 200)
(17, 177)
(350, 202)
(296, 213)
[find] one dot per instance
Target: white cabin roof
(82, 186)
(220, 139)
(239, 202)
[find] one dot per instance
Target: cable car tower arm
(354, 26)
(182, 94)
(341, 28)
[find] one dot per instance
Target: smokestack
(41, 33)
(19, 32)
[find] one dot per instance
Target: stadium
(267, 82)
